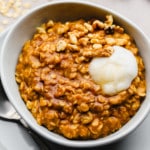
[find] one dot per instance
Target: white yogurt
(114, 73)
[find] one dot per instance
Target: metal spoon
(8, 113)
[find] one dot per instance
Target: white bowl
(64, 11)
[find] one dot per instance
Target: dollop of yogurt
(114, 73)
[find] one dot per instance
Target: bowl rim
(72, 143)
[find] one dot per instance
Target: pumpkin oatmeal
(54, 81)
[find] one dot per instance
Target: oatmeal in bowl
(82, 78)
(57, 85)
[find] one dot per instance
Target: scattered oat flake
(27, 5)
(1, 28)
(5, 22)
(10, 10)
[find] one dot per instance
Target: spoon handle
(37, 138)
(43, 145)
(39, 141)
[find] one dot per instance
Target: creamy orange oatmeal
(54, 80)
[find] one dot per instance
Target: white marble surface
(14, 137)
